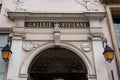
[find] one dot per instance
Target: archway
(57, 64)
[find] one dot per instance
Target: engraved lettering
(49, 24)
(84, 25)
(46, 24)
(37, 24)
(40, 24)
(61, 24)
(29, 24)
(34, 25)
(74, 24)
(81, 25)
(43, 24)
(68, 25)
(77, 24)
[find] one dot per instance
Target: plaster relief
(27, 46)
(86, 47)
(89, 4)
(19, 5)
(35, 44)
(30, 45)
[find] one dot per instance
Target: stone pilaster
(16, 48)
(100, 63)
(18, 29)
(15, 60)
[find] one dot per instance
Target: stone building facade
(56, 40)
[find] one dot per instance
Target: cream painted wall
(43, 6)
(54, 6)
(49, 6)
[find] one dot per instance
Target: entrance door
(57, 64)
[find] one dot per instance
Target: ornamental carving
(19, 5)
(86, 47)
(27, 46)
(91, 5)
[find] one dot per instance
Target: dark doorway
(57, 64)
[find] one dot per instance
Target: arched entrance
(57, 64)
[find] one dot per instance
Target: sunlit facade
(59, 39)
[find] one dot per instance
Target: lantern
(6, 53)
(108, 53)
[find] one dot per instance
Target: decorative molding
(86, 47)
(23, 75)
(96, 33)
(30, 45)
(44, 16)
(18, 36)
(5, 30)
(27, 46)
(62, 30)
(95, 29)
(19, 5)
(57, 16)
(96, 36)
(31, 55)
(95, 15)
(91, 76)
(5, 13)
(57, 34)
(57, 39)
(18, 33)
(89, 4)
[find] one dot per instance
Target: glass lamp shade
(6, 53)
(108, 54)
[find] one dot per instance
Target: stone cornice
(95, 15)
(18, 15)
(29, 15)
(5, 30)
(79, 16)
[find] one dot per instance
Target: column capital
(18, 33)
(96, 36)
(96, 33)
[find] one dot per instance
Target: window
(113, 15)
(116, 20)
(3, 42)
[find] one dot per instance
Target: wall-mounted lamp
(108, 52)
(6, 52)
